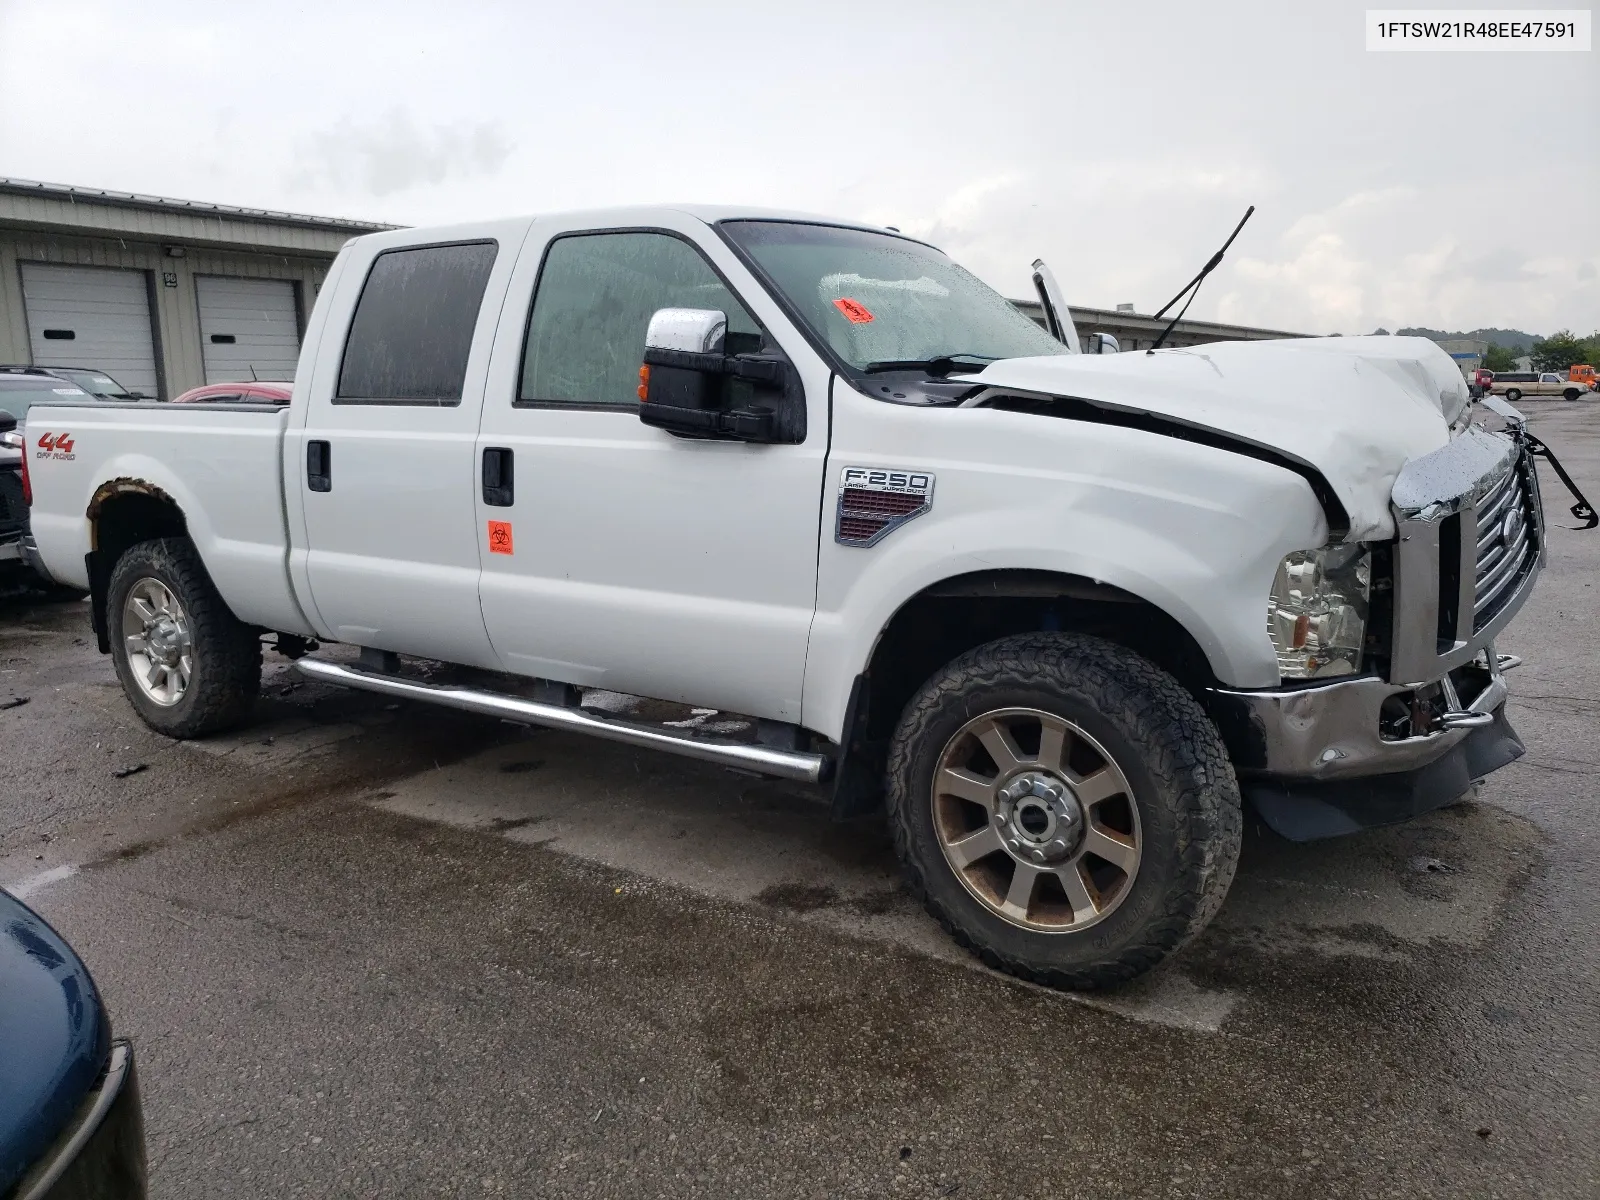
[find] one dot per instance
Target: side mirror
(690, 330)
(683, 359)
(1101, 343)
(683, 380)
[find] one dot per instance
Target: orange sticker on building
(499, 537)
(853, 310)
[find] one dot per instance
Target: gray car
(91, 379)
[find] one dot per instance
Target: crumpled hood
(1356, 408)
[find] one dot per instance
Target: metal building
(162, 294)
(1468, 352)
(1135, 331)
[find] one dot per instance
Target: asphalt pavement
(378, 949)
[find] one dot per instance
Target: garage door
(91, 317)
(249, 328)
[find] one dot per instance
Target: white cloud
(1383, 259)
(395, 153)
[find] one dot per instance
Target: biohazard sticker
(499, 537)
(854, 311)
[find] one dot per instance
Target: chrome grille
(1508, 541)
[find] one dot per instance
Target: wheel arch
(954, 615)
(122, 513)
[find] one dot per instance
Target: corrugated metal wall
(176, 308)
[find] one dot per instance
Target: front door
(385, 466)
(623, 556)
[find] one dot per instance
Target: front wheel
(1572, 393)
(1064, 808)
(187, 664)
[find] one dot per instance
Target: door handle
(319, 466)
(498, 477)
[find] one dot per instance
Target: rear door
(91, 317)
(384, 464)
(620, 555)
(249, 328)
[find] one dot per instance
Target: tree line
(1557, 352)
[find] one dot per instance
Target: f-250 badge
(874, 502)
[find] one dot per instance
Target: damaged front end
(1327, 758)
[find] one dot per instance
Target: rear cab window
(412, 329)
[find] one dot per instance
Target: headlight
(1317, 615)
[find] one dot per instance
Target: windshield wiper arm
(939, 364)
(1195, 284)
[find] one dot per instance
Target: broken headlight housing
(1317, 614)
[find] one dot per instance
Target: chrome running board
(785, 764)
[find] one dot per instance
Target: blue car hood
(54, 1037)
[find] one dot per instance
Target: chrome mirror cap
(691, 330)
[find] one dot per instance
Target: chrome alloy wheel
(1036, 819)
(155, 631)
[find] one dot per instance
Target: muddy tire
(187, 664)
(1064, 808)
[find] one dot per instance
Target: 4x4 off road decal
(57, 446)
(874, 502)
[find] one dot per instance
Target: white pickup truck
(1058, 615)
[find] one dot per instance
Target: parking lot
(377, 949)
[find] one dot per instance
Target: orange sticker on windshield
(499, 537)
(853, 310)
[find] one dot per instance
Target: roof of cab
(619, 217)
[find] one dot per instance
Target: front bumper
(1306, 811)
(1337, 730)
(101, 1153)
(1316, 763)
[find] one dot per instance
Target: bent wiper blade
(940, 363)
(896, 364)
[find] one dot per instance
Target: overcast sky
(1120, 141)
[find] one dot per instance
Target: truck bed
(220, 463)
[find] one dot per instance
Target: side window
(413, 324)
(596, 294)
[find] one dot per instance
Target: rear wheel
(1513, 394)
(187, 664)
(1064, 808)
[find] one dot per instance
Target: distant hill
(1513, 340)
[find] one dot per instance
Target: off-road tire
(1181, 780)
(1513, 394)
(226, 676)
